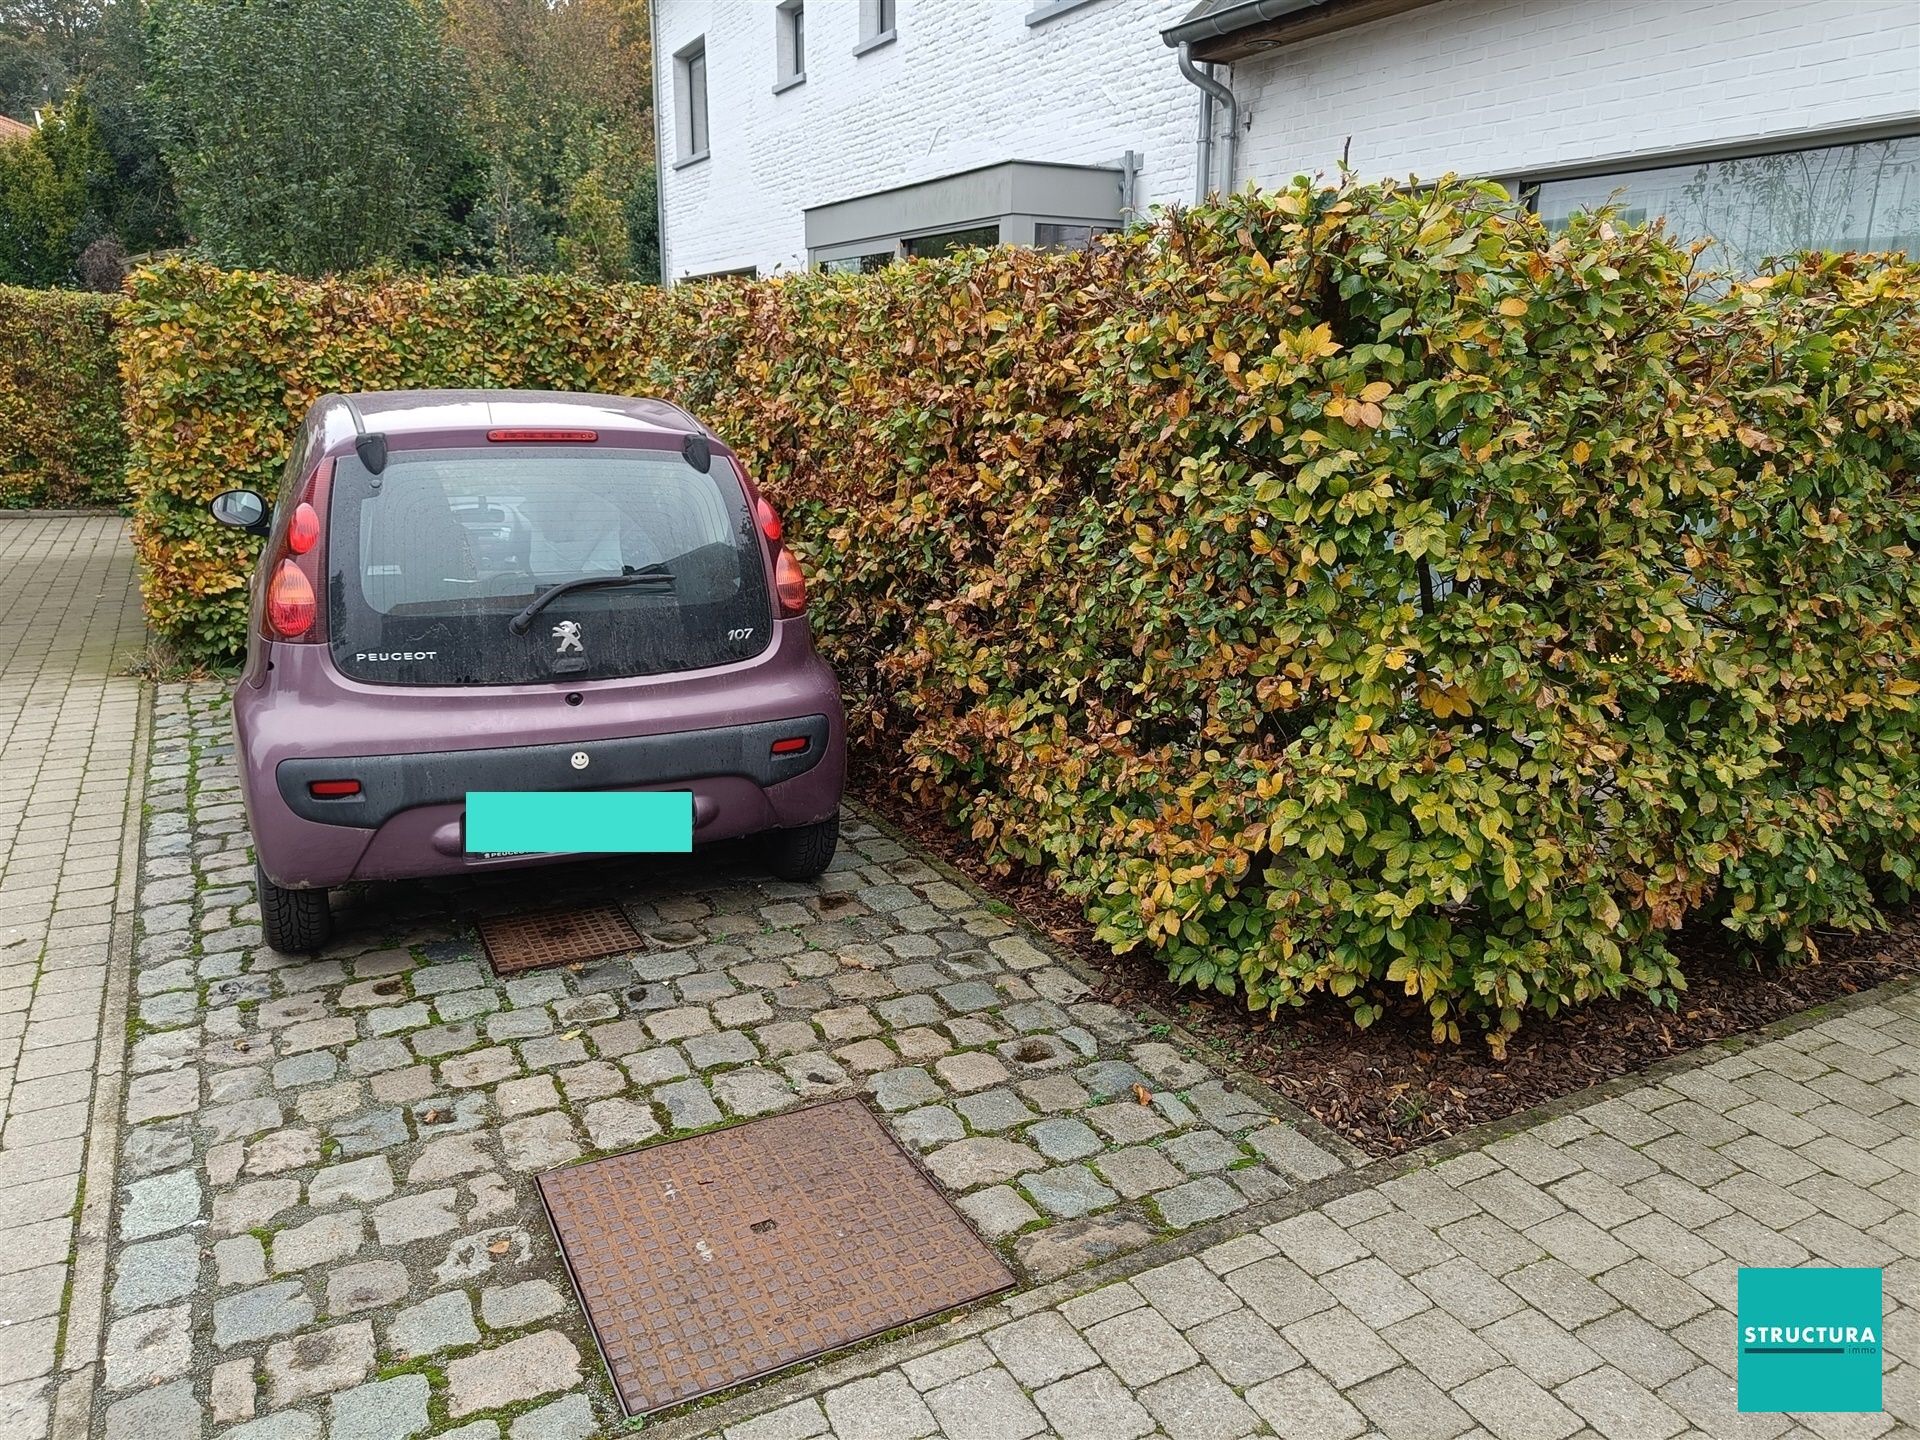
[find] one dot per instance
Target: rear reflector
(792, 745)
(332, 789)
(789, 584)
(543, 436)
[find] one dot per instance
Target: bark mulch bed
(1389, 1088)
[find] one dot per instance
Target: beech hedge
(60, 438)
(1364, 591)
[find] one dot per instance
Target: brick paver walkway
(69, 619)
(1576, 1279)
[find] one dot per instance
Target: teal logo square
(1809, 1339)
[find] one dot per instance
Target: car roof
(405, 412)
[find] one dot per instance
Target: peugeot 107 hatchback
(492, 629)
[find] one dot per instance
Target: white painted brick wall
(1504, 87)
(968, 83)
(1489, 87)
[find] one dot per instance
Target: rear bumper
(417, 756)
(392, 784)
(411, 820)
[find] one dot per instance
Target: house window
(866, 264)
(876, 25)
(790, 45)
(690, 90)
(1050, 236)
(930, 247)
(1864, 196)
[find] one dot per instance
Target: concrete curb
(77, 1372)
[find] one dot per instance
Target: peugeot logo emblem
(579, 759)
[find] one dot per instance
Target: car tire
(802, 853)
(295, 922)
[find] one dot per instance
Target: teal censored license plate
(526, 822)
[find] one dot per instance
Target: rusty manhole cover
(723, 1257)
(531, 942)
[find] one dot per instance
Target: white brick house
(848, 132)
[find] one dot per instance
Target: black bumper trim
(390, 784)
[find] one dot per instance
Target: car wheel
(802, 853)
(296, 922)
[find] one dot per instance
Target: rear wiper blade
(657, 576)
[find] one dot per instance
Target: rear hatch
(435, 563)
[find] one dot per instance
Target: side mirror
(242, 509)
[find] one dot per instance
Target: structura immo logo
(1810, 1339)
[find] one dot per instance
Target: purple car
(524, 595)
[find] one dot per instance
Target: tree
(309, 135)
(49, 187)
(561, 94)
(45, 45)
(96, 49)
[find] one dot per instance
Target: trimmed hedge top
(1360, 591)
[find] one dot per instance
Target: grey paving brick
(1652, 1293)
(1242, 1348)
(1141, 1346)
(523, 1369)
(1341, 1346)
(1405, 1403)
(1093, 1405)
(1512, 1407)
(1441, 1348)
(987, 1403)
(1561, 1292)
(1198, 1201)
(881, 1407)
(1544, 1350)
(997, 1211)
(444, 1322)
(1303, 1406)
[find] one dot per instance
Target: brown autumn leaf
(1143, 1095)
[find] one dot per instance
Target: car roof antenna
(371, 448)
(699, 454)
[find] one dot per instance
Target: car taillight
(769, 519)
(333, 789)
(303, 533)
(792, 745)
(789, 584)
(291, 607)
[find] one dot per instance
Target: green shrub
(60, 437)
(1363, 592)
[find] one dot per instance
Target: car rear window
(431, 559)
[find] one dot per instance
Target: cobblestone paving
(69, 619)
(1575, 1279)
(326, 1217)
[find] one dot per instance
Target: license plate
(533, 822)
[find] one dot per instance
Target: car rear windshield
(431, 560)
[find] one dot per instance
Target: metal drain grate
(723, 1257)
(531, 942)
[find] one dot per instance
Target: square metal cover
(723, 1257)
(562, 937)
